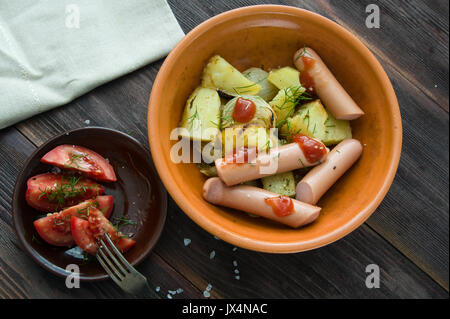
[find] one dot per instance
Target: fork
(120, 270)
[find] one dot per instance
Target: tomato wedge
(86, 232)
(51, 192)
(81, 159)
(55, 229)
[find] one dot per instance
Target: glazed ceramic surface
(138, 195)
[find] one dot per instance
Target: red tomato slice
(78, 158)
(55, 229)
(86, 232)
(51, 192)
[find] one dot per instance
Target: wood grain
(407, 236)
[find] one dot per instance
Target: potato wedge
(285, 101)
(201, 115)
(221, 75)
(249, 135)
(336, 130)
(264, 116)
(284, 77)
(308, 120)
(283, 184)
(258, 75)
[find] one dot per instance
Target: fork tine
(110, 264)
(110, 273)
(118, 253)
(111, 255)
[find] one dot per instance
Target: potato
(336, 130)
(221, 75)
(258, 75)
(308, 120)
(248, 135)
(264, 116)
(207, 170)
(284, 77)
(202, 108)
(285, 101)
(283, 184)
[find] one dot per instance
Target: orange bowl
(269, 35)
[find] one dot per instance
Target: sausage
(252, 200)
(327, 88)
(314, 184)
(283, 159)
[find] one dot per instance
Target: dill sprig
(190, 119)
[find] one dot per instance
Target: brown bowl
(268, 36)
(138, 193)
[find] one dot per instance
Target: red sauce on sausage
(244, 110)
(314, 150)
(306, 80)
(282, 206)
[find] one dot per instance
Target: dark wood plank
(221, 273)
(122, 104)
(21, 277)
(335, 271)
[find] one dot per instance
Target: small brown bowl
(138, 194)
(268, 36)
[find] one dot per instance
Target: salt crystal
(212, 254)
(87, 122)
(158, 289)
(187, 241)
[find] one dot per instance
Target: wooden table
(407, 237)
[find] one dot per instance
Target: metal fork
(120, 270)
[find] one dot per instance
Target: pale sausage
(327, 88)
(312, 187)
(252, 200)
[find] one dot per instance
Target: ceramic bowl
(138, 194)
(268, 36)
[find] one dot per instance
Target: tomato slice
(51, 192)
(55, 229)
(81, 159)
(86, 232)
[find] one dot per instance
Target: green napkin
(52, 51)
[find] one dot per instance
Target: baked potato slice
(336, 130)
(283, 184)
(309, 120)
(285, 101)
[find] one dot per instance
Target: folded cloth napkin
(52, 51)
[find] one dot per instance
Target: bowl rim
(48, 265)
(231, 237)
